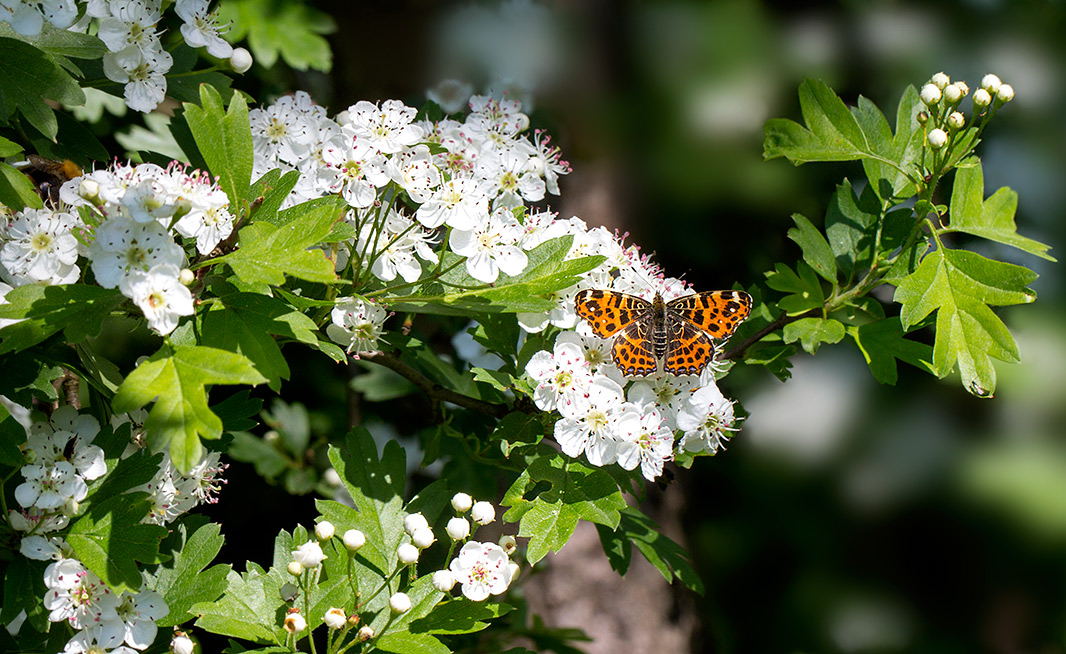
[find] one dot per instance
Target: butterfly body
(678, 332)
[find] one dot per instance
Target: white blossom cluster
(129, 28)
(138, 213)
(60, 461)
(942, 118)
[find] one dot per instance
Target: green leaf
(812, 332)
(669, 558)
(459, 616)
(28, 78)
(177, 383)
(517, 429)
(547, 272)
(904, 147)
(16, 190)
(110, 539)
(77, 309)
(186, 580)
(405, 642)
(247, 609)
(9, 148)
(292, 30)
(224, 139)
(832, 133)
(992, 218)
(267, 253)
(816, 250)
(577, 492)
(803, 289)
(850, 225)
(959, 285)
(273, 187)
(27, 375)
(883, 342)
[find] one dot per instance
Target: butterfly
(678, 331)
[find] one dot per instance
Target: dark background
(845, 516)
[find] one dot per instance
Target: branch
(435, 391)
(782, 320)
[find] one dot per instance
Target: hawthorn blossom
(27, 17)
(160, 295)
(131, 24)
(482, 570)
(706, 418)
(645, 440)
(280, 132)
(508, 179)
(491, 248)
(39, 246)
(200, 27)
(143, 73)
(458, 203)
(78, 596)
(591, 424)
(387, 129)
(413, 169)
(357, 324)
(309, 555)
(394, 247)
(561, 376)
(358, 170)
(139, 613)
(663, 391)
(122, 247)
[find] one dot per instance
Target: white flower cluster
(60, 459)
(477, 172)
(140, 210)
(135, 57)
(941, 97)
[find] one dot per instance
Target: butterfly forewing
(716, 312)
(632, 349)
(689, 349)
(607, 312)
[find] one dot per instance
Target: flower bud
(521, 122)
(956, 120)
(462, 502)
(990, 83)
(240, 60)
(922, 117)
(294, 622)
(483, 513)
(353, 619)
(70, 507)
(413, 522)
(335, 618)
(423, 538)
(400, 603)
(354, 539)
(181, 644)
(186, 277)
(90, 190)
(294, 568)
(458, 528)
(331, 477)
(513, 570)
(952, 93)
(1005, 93)
(324, 530)
(309, 555)
(963, 87)
(364, 634)
(940, 80)
(407, 553)
(938, 138)
(508, 543)
(930, 94)
(443, 580)
(981, 98)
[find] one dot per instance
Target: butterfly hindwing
(716, 312)
(689, 349)
(608, 312)
(632, 350)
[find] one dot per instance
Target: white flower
(354, 539)
(459, 203)
(280, 132)
(458, 528)
(131, 24)
(491, 247)
(508, 543)
(645, 441)
(387, 129)
(27, 17)
(562, 376)
(509, 179)
(143, 72)
(324, 530)
(364, 634)
(49, 487)
(706, 418)
(400, 603)
(423, 538)
(591, 423)
(201, 27)
(482, 570)
(547, 161)
(407, 553)
(160, 295)
(39, 247)
(335, 618)
(357, 169)
(181, 643)
(597, 352)
(145, 202)
(664, 392)
(462, 502)
(413, 522)
(121, 246)
(40, 548)
(78, 596)
(309, 555)
(139, 613)
(414, 171)
(294, 622)
(357, 324)
(393, 248)
(483, 513)
(443, 580)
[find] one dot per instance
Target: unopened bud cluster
(942, 118)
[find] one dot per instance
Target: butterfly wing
(688, 348)
(632, 350)
(716, 312)
(608, 312)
